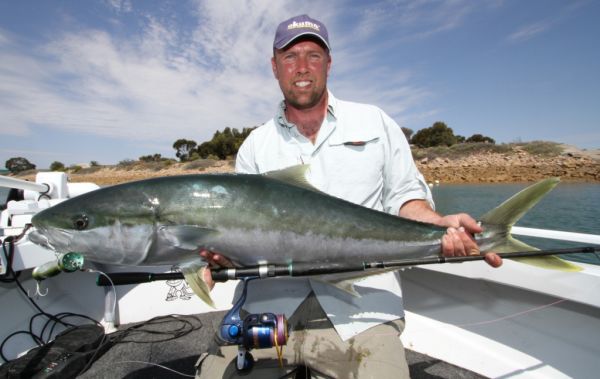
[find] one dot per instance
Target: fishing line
(492, 321)
(512, 315)
(105, 339)
(114, 308)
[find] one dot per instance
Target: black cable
(9, 275)
(185, 328)
(33, 336)
(12, 277)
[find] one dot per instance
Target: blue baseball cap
(299, 26)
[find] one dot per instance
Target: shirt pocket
(354, 169)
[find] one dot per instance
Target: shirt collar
(282, 120)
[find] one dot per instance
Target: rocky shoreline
(513, 166)
(518, 166)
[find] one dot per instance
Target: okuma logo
(303, 24)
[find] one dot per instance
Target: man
(358, 153)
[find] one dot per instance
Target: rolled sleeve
(402, 180)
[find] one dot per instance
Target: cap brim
(316, 36)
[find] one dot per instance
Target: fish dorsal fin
(294, 175)
(509, 212)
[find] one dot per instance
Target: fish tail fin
(503, 217)
(193, 272)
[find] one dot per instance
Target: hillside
(463, 163)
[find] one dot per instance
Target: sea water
(570, 207)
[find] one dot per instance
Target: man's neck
(308, 121)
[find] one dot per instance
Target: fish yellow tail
(503, 217)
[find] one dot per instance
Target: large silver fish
(252, 219)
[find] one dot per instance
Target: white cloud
(529, 31)
(166, 83)
(120, 6)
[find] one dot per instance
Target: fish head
(105, 226)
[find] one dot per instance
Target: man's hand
(458, 241)
(214, 260)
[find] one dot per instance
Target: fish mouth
(38, 238)
(52, 239)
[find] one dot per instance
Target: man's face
(302, 71)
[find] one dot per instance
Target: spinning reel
(255, 331)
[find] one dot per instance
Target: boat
(516, 321)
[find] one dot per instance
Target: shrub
(542, 148)
(57, 166)
(18, 164)
(480, 138)
(199, 164)
(439, 134)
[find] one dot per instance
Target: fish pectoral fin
(193, 272)
(186, 237)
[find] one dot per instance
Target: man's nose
(302, 66)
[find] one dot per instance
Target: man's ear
(274, 68)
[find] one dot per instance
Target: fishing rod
(322, 268)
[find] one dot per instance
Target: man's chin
(302, 102)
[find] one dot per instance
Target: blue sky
(109, 80)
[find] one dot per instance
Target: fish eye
(81, 222)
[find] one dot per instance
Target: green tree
(224, 144)
(481, 138)
(206, 149)
(437, 135)
(57, 166)
(18, 164)
(184, 148)
(151, 158)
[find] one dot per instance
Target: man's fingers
(207, 276)
(458, 242)
(447, 246)
(221, 260)
(493, 260)
(469, 223)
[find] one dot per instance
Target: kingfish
(277, 218)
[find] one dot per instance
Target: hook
(38, 293)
